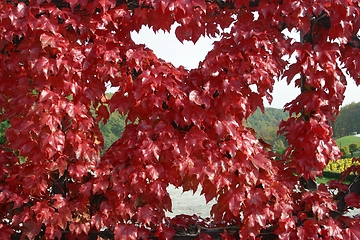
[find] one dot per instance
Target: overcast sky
(167, 47)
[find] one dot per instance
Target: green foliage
(347, 120)
(353, 147)
(113, 129)
(327, 176)
(345, 150)
(3, 126)
(266, 126)
(279, 146)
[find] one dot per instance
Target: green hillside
(347, 140)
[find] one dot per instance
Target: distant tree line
(347, 122)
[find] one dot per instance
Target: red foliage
(185, 127)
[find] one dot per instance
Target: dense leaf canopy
(184, 127)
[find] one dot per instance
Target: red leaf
(59, 201)
(352, 200)
(62, 164)
(332, 229)
(227, 236)
(125, 231)
(5, 231)
(53, 142)
(106, 4)
(291, 72)
(256, 101)
(103, 114)
(165, 233)
(100, 185)
(145, 214)
(183, 33)
(209, 190)
(261, 161)
(195, 137)
(79, 228)
(310, 230)
(353, 232)
(52, 121)
(336, 184)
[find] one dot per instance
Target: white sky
(167, 47)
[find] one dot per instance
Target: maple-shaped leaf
(145, 214)
(310, 229)
(353, 232)
(195, 137)
(53, 232)
(336, 184)
(59, 201)
(286, 228)
(103, 114)
(209, 190)
(62, 165)
(100, 185)
(52, 142)
(332, 229)
(352, 200)
(165, 233)
(79, 228)
(260, 161)
(52, 121)
(106, 4)
(5, 231)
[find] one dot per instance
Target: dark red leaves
(209, 190)
(227, 236)
(5, 231)
(353, 231)
(309, 230)
(165, 233)
(260, 161)
(352, 200)
(332, 229)
(125, 231)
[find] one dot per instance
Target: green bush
(345, 150)
(3, 126)
(353, 147)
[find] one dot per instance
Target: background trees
(266, 126)
(3, 126)
(347, 120)
(186, 128)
